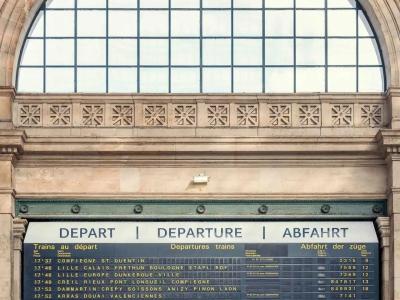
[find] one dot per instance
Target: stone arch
(16, 16)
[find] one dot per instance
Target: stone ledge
(12, 141)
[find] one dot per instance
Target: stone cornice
(389, 141)
(19, 229)
(7, 91)
(383, 226)
(201, 145)
(393, 92)
(12, 142)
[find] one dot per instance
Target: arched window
(200, 46)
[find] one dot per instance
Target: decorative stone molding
(191, 111)
(217, 115)
(123, 115)
(19, 229)
(12, 142)
(184, 115)
(247, 115)
(60, 115)
(342, 115)
(30, 114)
(383, 226)
(310, 115)
(372, 115)
(389, 141)
(280, 115)
(155, 115)
(92, 115)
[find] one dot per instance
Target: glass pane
(60, 4)
(185, 3)
(342, 80)
(247, 23)
(154, 52)
(247, 80)
(185, 80)
(86, 20)
(148, 26)
(216, 23)
(60, 80)
(216, 3)
(279, 52)
(122, 23)
(342, 23)
(363, 26)
(247, 3)
(60, 52)
(310, 23)
(122, 80)
(310, 79)
(33, 53)
(60, 23)
(154, 4)
(185, 52)
(368, 52)
(370, 79)
(91, 52)
(216, 80)
(279, 23)
(217, 52)
(185, 23)
(91, 80)
(310, 51)
(122, 52)
(154, 80)
(278, 3)
(247, 52)
(341, 3)
(30, 80)
(122, 4)
(279, 80)
(342, 52)
(310, 3)
(91, 3)
(37, 28)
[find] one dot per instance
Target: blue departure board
(201, 260)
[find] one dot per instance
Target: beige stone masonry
(187, 112)
(19, 229)
(383, 226)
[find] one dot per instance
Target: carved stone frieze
(310, 115)
(92, 115)
(193, 112)
(372, 115)
(184, 115)
(217, 115)
(60, 114)
(342, 115)
(123, 115)
(280, 115)
(247, 115)
(155, 115)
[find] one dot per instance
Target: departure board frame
(251, 253)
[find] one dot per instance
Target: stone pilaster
(19, 229)
(393, 98)
(6, 99)
(390, 144)
(11, 145)
(383, 225)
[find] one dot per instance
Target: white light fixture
(201, 179)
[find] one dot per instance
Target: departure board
(201, 260)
